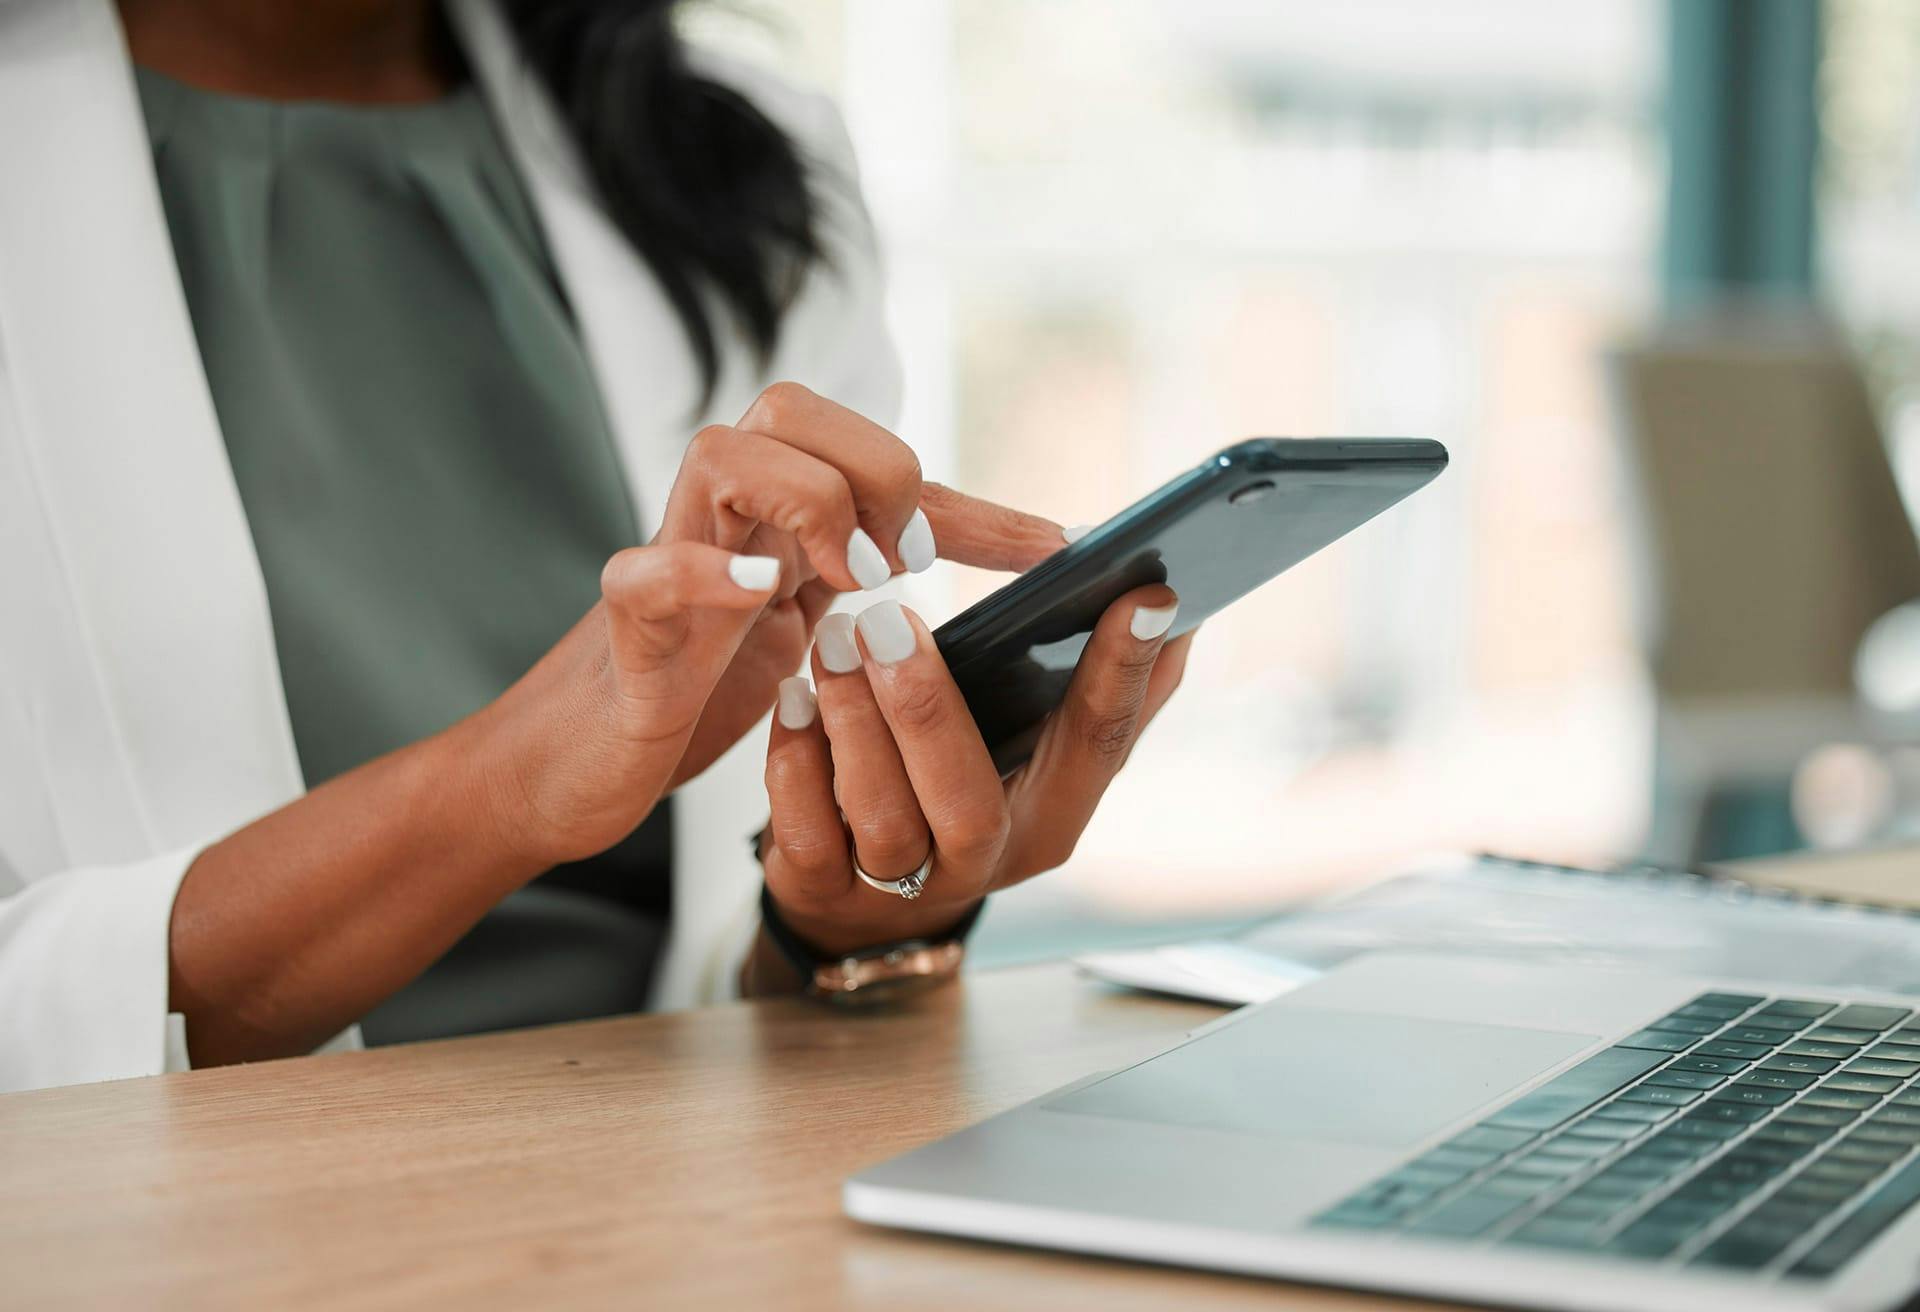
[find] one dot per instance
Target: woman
(345, 349)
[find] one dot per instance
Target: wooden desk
(657, 1161)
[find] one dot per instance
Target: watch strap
(805, 961)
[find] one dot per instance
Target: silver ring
(907, 886)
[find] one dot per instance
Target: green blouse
(430, 481)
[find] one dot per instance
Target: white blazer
(141, 714)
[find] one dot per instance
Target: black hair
(711, 192)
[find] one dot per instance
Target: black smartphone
(1215, 533)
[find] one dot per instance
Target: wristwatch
(875, 974)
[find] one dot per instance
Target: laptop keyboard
(1771, 1136)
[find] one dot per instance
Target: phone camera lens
(1251, 493)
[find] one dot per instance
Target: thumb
(653, 593)
(975, 532)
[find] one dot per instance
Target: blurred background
(1649, 268)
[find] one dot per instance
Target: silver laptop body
(1478, 1130)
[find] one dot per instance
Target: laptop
(1484, 1131)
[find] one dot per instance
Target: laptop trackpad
(1348, 1077)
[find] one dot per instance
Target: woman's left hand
(886, 764)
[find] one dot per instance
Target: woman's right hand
(302, 920)
(766, 523)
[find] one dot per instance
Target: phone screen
(1214, 534)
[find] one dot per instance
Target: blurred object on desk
(1775, 539)
(1719, 924)
(1876, 876)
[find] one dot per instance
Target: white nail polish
(834, 641)
(755, 573)
(864, 561)
(796, 703)
(1074, 533)
(916, 548)
(889, 636)
(1149, 622)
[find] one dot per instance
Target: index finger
(880, 469)
(984, 533)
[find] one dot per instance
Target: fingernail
(889, 636)
(834, 639)
(754, 573)
(916, 543)
(1149, 622)
(1075, 533)
(864, 561)
(796, 703)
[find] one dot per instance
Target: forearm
(292, 928)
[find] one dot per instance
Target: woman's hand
(767, 522)
(296, 924)
(885, 763)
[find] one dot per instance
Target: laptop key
(1870, 1133)
(1796, 1007)
(1771, 1150)
(1693, 1061)
(1517, 1186)
(1907, 1098)
(1754, 1094)
(1660, 1097)
(1650, 1239)
(1696, 1128)
(1567, 1095)
(1881, 1208)
(1812, 1048)
(1616, 1189)
(1360, 1216)
(1472, 1213)
(1730, 1112)
(1745, 1169)
(1776, 1079)
(1832, 1034)
(1855, 1173)
(1559, 1232)
(1537, 1165)
(1755, 1034)
(1785, 1024)
(1488, 1137)
(1615, 1131)
(1861, 1016)
(1895, 1114)
(1900, 1070)
(1639, 1113)
(1786, 1211)
(1707, 1011)
(1816, 1192)
(1803, 1113)
(1673, 1079)
(1721, 1048)
(1422, 1178)
(1800, 1065)
(1746, 1247)
(1855, 1080)
(1465, 1161)
(1572, 1146)
(1657, 1041)
(1737, 1001)
(1864, 1151)
(1808, 1135)
(1893, 1051)
(1685, 1025)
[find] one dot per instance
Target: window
(1123, 233)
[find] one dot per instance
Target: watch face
(890, 974)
